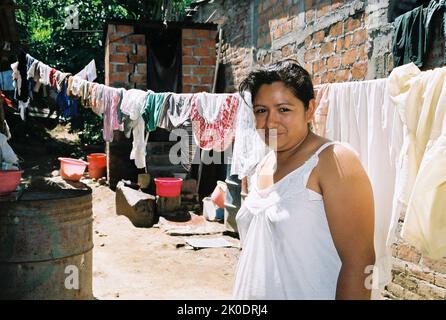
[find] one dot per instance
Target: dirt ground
(146, 263)
(129, 262)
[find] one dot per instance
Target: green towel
(153, 109)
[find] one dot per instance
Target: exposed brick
(207, 43)
(339, 45)
(124, 28)
(187, 88)
(347, 41)
(203, 70)
(335, 4)
(436, 265)
(202, 34)
(409, 283)
(359, 37)
(190, 80)
(206, 80)
(308, 67)
(327, 49)
(310, 55)
(136, 58)
(333, 62)
(352, 24)
(287, 50)
(141, 68)
(336, 29)
(124, 48)
(319, 66)
(308, 41)
(328, 77)
(142, 50)
(190, 42)
(187, 70)
(189, 60)
(395, 289)
(201, 52)
(125, 67)
(323, 8)
(118, 58)
(431, 291)
(137, 39)
(118, 38)
(119, 77)
(208, 61)
(408, 253)
(342, 75)
(440, 280)
(188, 33)
(138, 78)
(349, 57)
(359, 71)
(310, 15)
(363, 52)
(187, 51)
(419, 272)
(316, 80)
(318, 37)
(202, 88)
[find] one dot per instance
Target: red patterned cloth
(53, 78)
(219, 134)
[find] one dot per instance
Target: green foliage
(43, 34)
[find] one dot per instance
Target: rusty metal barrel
(46, 244)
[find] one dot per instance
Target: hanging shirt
(217, 135)
(44, 76)
(363, 115)
(88, 72)
(155, 105)
(320, 115)
(420, 102)
(112, 98)
(287, 248)
(134, 102)
(136, 128)
(249, 148)
(68, 107)
(6, 82)
(177, 110)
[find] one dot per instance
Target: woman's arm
(348, 200)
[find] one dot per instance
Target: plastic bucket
(168, 187)
(218, 195)
(72, 169)
(97, 165)
(9, 180)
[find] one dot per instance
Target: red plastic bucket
(168, 187)
(9, 180)
(72, 169)
(97, 165)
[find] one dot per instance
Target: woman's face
(281, 115)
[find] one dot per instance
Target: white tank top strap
(314, 161)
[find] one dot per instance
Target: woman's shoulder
(339, 158)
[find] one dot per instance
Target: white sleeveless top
(287, 248)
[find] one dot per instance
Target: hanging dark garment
(399, 7)
(164, 68)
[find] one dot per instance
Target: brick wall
(125, 58)
(198, 60)
(336, 41)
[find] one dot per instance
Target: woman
(306, 226)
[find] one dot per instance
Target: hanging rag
(134, 102)
(68, 107)
(155, 105)
(362, 116)
(217, 135)
(320, 115)
(88, 72)
(44, 76)
(137, 129)
(111, 100)
(178, 106)
(249, 148)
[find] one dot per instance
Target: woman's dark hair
(293, 76)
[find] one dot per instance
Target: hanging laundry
(249, 147)
(17, 78)
(22, 107)
(420, 101)
(60, 78)
(44, 76)
(6, 82)
(217, 135)
(134, 102)
(413, 35)
(155, 104)
(88, 72)
(111, 100)
(210, 105)
(177, 111)
(137, 129)
(68, 107)
(362, 116)
(24, 93)
(320, 115)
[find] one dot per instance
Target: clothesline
(217, 120)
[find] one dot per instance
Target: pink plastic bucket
(72, 169)
(9, 180)
(168, 187)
